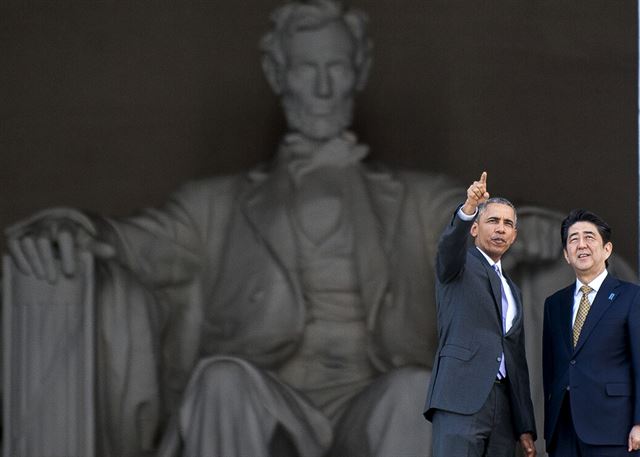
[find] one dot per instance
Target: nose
(500, 227)
(324, 84)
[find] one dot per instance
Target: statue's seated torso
(331, 364)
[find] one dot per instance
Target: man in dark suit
(591, 351)
(479, 400)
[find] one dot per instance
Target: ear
(474, 229)
(566, 256)
(608, 249)
(273, 73)
(363, 73)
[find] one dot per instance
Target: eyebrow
(506, 219)
(586, 232)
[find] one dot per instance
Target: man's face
(585, 250)
(495, 230)
(319, 81)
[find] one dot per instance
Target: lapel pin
(612, 296)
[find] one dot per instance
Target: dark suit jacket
(471, 340)
(602, 374)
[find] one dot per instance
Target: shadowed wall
(110, 105)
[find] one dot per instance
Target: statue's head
(316, 58)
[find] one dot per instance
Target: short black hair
(582, 215)
(496, 200)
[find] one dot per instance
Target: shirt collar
(490, 260)
(595, 284)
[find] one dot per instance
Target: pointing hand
(476, 194)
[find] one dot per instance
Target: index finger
(66, 245)
(483, 177)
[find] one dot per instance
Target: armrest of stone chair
(49, 363)
(81, 363)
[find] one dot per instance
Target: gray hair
(499, 200)
(296, 16)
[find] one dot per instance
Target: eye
(340, 67)
(302, 69)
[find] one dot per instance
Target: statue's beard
(318, 127)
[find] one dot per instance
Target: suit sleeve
(527, 416)
(166, 246)
(547, 352)
(634, 337)
(452, 249)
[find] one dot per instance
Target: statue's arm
(53, 237)
(538, 237)
(160, 246)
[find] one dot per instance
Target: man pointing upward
(479, 398)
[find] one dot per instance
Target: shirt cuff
(466, 217)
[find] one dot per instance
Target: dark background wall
(109, 105)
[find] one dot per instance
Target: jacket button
(499, 359)
(568, 387)
(573, 362)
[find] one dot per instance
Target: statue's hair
(314, 14)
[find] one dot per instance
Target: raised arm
(452, 246)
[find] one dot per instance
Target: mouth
(499, 241)
(583, 255)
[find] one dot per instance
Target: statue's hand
(54, 236)
(538, 237)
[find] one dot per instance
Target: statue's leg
(231, 408)
(386, 418)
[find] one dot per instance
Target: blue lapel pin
(612, 296)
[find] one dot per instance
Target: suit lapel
(266, 204)
(604, 299)
(519, 309)
(494, 282)
(386, 194)
(563, 312)
(374, 207)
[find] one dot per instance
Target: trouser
(566, 443)
(489, 432)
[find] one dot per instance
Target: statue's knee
(410, 377)
(406, 384)
(222, 378)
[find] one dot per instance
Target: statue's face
(319, 81)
